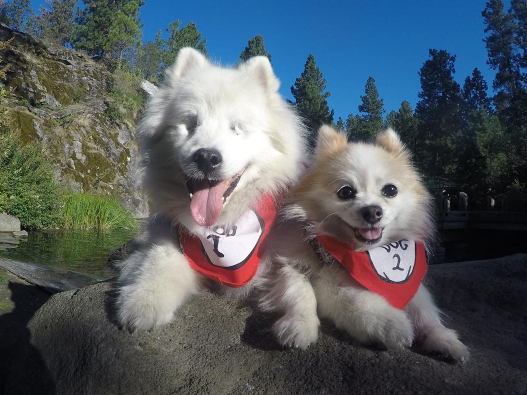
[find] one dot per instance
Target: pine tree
(125, 30)
(340, 124)
(187, 36)
(255, 47)
(504, 56)
(17, 13)
(492, 167)
(150, 61)
(506, 49)
(355, 126)
(93, 26)
(519, 11)
(311, 100)
(372, 109)
(406, 124)
(439, 114)
(54, 23)
(390, 119)
(371, 122)
(474, 93)
(61, 21)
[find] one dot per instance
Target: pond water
(75, 250)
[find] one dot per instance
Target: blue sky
(351, 40)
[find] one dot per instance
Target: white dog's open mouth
(370, 235)
(207, 198)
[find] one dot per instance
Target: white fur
(316, 209)
(236, 111)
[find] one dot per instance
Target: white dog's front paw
(394, 330)
(297, 331)
(445, 341)
(138, 310)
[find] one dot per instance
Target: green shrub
(114, 112)
(517, 196)
(28, 187)
(24, 102)
(78, 95)
(87, 211)
(126, 98)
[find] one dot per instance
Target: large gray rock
(216, 346)
(8, 223)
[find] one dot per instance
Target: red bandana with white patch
(230, 256)
(393, 271)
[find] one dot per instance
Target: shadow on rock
(15, 340)
(258, 334)
(110, 300)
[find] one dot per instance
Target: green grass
(87, 211)
(6, 305)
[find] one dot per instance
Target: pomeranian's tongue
(207, 201)
(370, 233)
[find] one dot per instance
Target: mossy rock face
(60, 97)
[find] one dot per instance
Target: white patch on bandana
(394, 262)
(231, 247)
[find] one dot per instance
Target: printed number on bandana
(394, 262)
(231, 247)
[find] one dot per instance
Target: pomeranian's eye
(346, 192)
(389, 190)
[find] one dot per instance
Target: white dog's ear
(329, 141)
(187, 60)
(261, 67)
(390, 141)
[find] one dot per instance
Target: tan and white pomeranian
(353, 249)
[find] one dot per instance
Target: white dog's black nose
(207, 159)
(371, 214)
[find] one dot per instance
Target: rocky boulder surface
(60, 97)
(8, 223)
(217, 346)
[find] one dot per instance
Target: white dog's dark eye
(346, 192)
(191, 123)
(236, 128)
(389, 190)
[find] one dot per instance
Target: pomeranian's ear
(390, 141)
(187, 60)
(329, 141)
(262, 69)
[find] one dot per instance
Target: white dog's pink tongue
(371, 233)
(207, 202)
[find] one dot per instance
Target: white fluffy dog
(221, 147)
(357, 197)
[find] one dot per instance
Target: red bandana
(393, 271)
(231, 256)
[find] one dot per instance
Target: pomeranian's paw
(142, 311)
(445, 341)
(395, 329)
(297, 331)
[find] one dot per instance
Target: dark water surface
(76, 250)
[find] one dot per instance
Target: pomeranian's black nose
(207, 159)
(372, 214)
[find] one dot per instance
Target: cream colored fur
(302, 285)
(237, 111)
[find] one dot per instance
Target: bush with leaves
(27, 181)
(126, 97)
